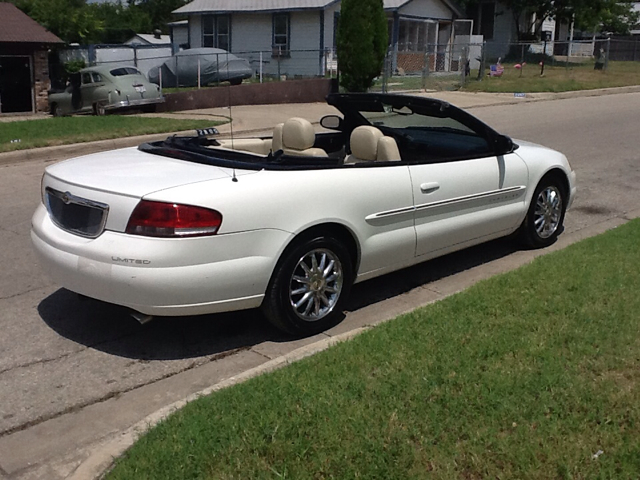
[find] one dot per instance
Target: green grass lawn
(557, 78)
(525, 375)
(65, 130)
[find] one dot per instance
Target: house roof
(396, 4)
(151, 39)
(18, 27)
(227, 6)
(223, 6)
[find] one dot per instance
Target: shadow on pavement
(110, 329)
(402, 281)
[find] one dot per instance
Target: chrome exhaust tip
(142, 318)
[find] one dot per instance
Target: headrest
(388, 150)
(364, 142)
(298, 134)
(276, 142)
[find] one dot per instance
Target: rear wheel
(545, 218)
(99, 110)
(55, 110)
(309, 287)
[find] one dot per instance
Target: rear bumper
(134, 103)
(161, 276)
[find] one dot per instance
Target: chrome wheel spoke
(307, 309)
(305, 298)
(323, 298)
(327, 271)
(303, 280)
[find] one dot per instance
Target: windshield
(407, 118)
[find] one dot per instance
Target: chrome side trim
(494, 196)
(389, 213)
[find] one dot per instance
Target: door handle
(429, 187)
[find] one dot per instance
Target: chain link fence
(453, 66)
(198, 70)
(430, 67)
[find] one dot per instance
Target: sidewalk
(249, 120)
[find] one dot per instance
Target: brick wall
(41, 82)
(290, 91)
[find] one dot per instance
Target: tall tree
(158, 11)
(361, 43)
(590, 15)
(71, 20)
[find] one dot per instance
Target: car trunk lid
(87, 195)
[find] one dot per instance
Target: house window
(281, 34)
(216, 31)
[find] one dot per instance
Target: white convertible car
(195, 225)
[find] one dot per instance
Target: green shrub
(362, 41)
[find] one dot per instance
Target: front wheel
(309, 287)
(545, 217)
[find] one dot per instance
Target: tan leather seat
(298, 137)
(276, 141)
(368, 144)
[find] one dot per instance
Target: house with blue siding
(297, 37)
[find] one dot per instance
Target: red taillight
(159, 219)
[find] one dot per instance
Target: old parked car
(212, 65)
(103, 89)
(196, 225)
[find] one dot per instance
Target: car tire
(235, 81)
(99, 110)
(309, 286)
(55, 110)
(545, 217)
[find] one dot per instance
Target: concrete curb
(98, 464)
(46, 154)
(104, 454)
(548, 96)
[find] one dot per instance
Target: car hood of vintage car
(134, 173)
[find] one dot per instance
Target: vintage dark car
(212, 65)
(103, 89)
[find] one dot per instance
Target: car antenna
(233, 178)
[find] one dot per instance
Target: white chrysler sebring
(195, 225)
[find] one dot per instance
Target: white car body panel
(474, 199)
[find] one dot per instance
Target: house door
(15, 85)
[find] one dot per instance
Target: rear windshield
(121, 71)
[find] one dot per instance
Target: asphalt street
(73, 372)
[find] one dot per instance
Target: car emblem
(66, 198)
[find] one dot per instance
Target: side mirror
(503, 145)
(331, 122)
